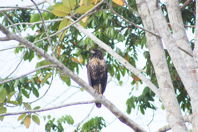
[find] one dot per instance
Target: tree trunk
(158, 59)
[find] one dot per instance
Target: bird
(97, 72)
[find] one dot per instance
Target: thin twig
(100, 98)
(21, 46)
(34, 23)
(167, 127)
(43, 22)
(15, 68)
(135, 25)
(47, 109)
(11, 22)
(86, 117)
(46, 90)
(74, 22)
(125, 63)
(21, 76)
(8, 8)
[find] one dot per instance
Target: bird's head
(97, 53)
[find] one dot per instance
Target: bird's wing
(104, 78)
(89, 74)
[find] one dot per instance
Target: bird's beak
(92, 51)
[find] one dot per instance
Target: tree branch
(21, 76)
(47, 109)
(9, 8)
(119, 58)
(146, 30)
(167, 127)
(74, 22)
(43, 23)
(100, 98)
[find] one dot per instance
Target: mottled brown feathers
(97, 72)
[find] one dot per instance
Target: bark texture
(167, 94)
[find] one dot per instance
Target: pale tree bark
(186, 74)
(166, 89)
(195, 51)
(121, 116)
(179, 35)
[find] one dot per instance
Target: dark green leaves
(143, 101)
(58, 125)
(94, 124)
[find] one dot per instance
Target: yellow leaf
(82, 9)
(81, 2)
(60, 10)
(27, 121)
(85, 19)
(71, 4)
(77, 60)
(95, 1)
(65, 22)
(85, 2)
(119, 2)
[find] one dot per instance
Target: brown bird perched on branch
(97, 72)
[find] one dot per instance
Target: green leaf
(36, 119)
(69, 119)
(25, 93)
(82, 9)
(2, 94)
(65, 22)
(35, 17)
(71, 4)
(27, 106)
(60, 10)
(35, 92)
(94, 124)
(2, 110)
(66, 79)
(46, 77)
(36, 108)
(43, 63)
(21, 117)
(11, 94)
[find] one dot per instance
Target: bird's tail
(98, 89)
(98, 105)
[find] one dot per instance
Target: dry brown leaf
(27, 121)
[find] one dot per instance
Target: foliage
(94, 125)
(57, 125)
(72, 48)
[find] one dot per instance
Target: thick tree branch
(180, 36)
(185, 72)
(47, 109)
(24, 75)
(158, 58)
(195, 51)
(167, 127)
(118, 58)
(100, 98)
